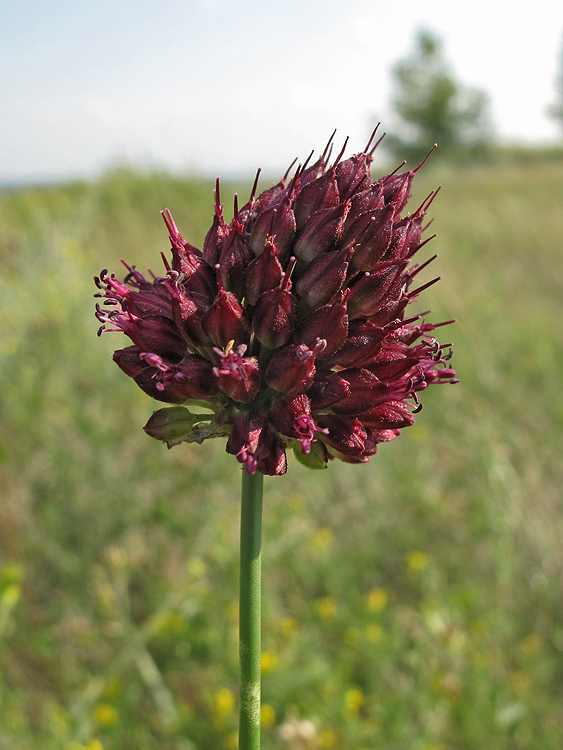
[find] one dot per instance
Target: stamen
(328, 146)
(254, 187)
(377, 144)
(285, 282)
(372, 136)
(341, 154)
(218, 207)
(402, 164)
(424, 286)
(307, 160)
(417, 269)
(284, 178)
(423, 162)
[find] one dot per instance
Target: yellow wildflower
(268, 661)
(377, 599)
(531, 644)
(353, 701)
(196, 567)
(106, 715)
(326, 607)
(224, 702)
(289, 626)
(322, 540)
(267, 715)
(374, 633)
(327, 738)
(417, 560)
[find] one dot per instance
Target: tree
(556, 109)
(432, 107)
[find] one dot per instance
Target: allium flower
(291, 325)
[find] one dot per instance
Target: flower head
(290, 325)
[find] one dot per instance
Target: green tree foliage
(556, 109)
(432, 107)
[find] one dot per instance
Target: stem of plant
(250, 610)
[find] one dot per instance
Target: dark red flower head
(290, 325)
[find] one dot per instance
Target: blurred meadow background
(412, 603)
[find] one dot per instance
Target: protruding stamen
(415, 292)
(285, 280)
(328, 146)
(165, 261)
(307, 160)
(284, 178)
(341, 154)
(376, 144)
(402, 164)
(372, 136)
(423, 162)
(417, 269)
(254, 187)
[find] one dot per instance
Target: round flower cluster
(289, 326)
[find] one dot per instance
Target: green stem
(249, 614)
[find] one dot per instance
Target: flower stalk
(250, 610)
(291, 329)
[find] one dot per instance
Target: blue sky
(221, 87)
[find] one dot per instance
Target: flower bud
(225, 320)
(129, 361)
(393, 360)
(327, 388)
(321, 232)
(396, 189)
(316, 195)
(277, 221)
(324, 277)
(374, 243)
(292, 368)
(346, 435)
(363, 385)
(388, 416)
(370, 291)
(187, 311)
(365, 201)
(362, 344)
(275, 315)
(235, 257)
(197, 275)
(264, 272)
(215, 238)
(329, 322)
(353, 175)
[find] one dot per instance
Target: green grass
(413, 603)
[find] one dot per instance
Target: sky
(221, 87)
